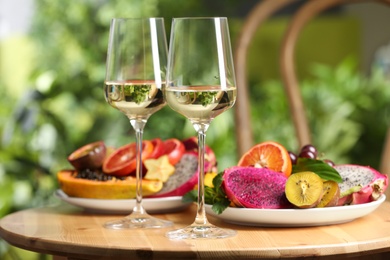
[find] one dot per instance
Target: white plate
(296, 217)
(125, 206)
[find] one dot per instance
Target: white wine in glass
(200, 86)
(135, 75)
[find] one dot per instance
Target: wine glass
(200, 85)
(135, 74)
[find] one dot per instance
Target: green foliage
(347, 113)
(62, 106)
(352, 109)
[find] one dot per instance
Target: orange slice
(271, 155)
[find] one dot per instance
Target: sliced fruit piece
(270, 155)
(183, 180)
(158, 169)
(158, 148)
(114, 188)
(122, 161)
(174, 148)
(191, 145)
(304, 189)
(361, 184)
(331, 194)
(90, 156)
(252, 187)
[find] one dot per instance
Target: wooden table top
(68, 231)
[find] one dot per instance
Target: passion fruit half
(89, 156)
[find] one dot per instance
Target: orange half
(271, 155)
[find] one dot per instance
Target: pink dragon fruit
(361, 184)
(184, 178)
(252, 187)
(191, 145)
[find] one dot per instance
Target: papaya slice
(110, 189)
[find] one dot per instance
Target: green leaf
(215, 196)
(321, 168)
(191, 196)
(218, 179)
(220, 206)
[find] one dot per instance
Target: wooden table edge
(41, 245)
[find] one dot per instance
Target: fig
(304, 189)
(89, 156)
(331, 194)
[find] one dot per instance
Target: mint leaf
(321, 168)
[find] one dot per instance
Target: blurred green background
(51, 93)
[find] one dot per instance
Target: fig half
(90, 156)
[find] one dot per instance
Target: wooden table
(70, 233)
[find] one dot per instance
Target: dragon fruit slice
(361, 184)
(183, 179)
(191, 145)
(252, 187)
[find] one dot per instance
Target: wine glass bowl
(136, 98)
(135, 75)
(200, 86)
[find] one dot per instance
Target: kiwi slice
(304, 189)
(331, 194)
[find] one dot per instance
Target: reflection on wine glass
(135, 75)
(200, 85)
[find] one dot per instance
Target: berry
(330, 162)
(309, 148)
(293, 157)
(307, 154)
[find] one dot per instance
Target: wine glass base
(195, 231)
(138, 221)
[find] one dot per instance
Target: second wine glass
(200, 85)
(135, 74)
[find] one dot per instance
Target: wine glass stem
(138, 126)
(201, 212)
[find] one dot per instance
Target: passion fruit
(89, 156)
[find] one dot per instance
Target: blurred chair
(261, 12)
(287, 64)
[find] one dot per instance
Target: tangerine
(271, 155)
